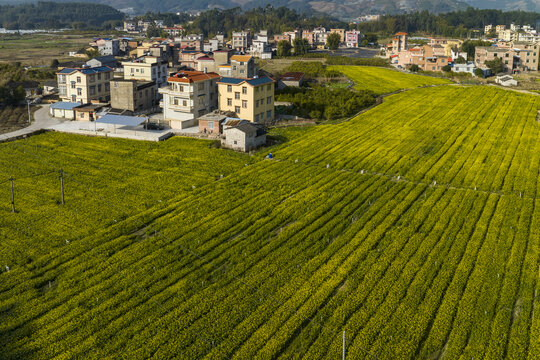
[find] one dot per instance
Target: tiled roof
(192, 76)
(86, 71)
(245, 58)
(293, 76)
(253, 82)
(401, 33)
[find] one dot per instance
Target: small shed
(244, 137)
(211, 123)
(64, 110)
(87, 112)
(506, 80)
(294, 79)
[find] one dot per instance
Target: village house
(146, 68)
(63, 109)
(108, 47)
(133, 95)
(211, 123)
(189, 95)
(529, 55)
(243, 66)
(250, 99)
(340, 32)
(84, 85)
(487, 53)
(294, 79)
(244, 137)
(241, 40)
(353, 39)
(109, 61)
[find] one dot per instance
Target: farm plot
(382, 80)
(276, 259)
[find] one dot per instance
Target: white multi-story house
(189, 95)
(241, 40)
(146, 68)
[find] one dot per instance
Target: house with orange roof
(242, 66)
(189, 95)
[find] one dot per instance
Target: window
(237, 109)
(184, 102)
(506, 62)
(201, 86)
(235, 142)
(99, 88)
(78, 79)
(73, 84)
(107, 86)
(107, 76)
(257, 118)
(229, 102)
(244, 90)
(237, 95)
(242, 71)
(79, 91)
(73, 98)
(506, 54)
(269, 87)
(91, 78)
(82, 115)
(244, 104)
(229, 88)
(116, 84)
(234, 67)
(211, 125)
(256, 103)
(269, 100)
(269, 114)
(142, 71)
(99, 76)
(132, 70)
(92, 90)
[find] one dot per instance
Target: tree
(478, 72)
(19, 94)
(333, 40)
(54, 64)
(92, 53)
(301, 46)
(284, 48)
(414, 68)
(446, 68)
(496, 65)
(460, 60)
(153, 31)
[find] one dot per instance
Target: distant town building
(353, 38)
(146, 68)
(241, 40)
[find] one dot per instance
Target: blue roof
(253, 82)
(86, 71)
(121, 120)
(62, 105)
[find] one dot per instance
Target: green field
(413, 227)
(383, 80)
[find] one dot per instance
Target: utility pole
(62, 185)
(12, 195)
(29, 117)
(343, 344)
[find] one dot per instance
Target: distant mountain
(345, 9)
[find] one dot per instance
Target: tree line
(275, 20)
(51, 15)
(455, 24)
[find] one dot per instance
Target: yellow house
(84, 85)
(250, 99)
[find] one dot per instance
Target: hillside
(342, 9)
(414, 227)
(52, 15)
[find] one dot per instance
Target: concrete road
(42, 120)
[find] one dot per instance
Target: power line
(254, 288)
